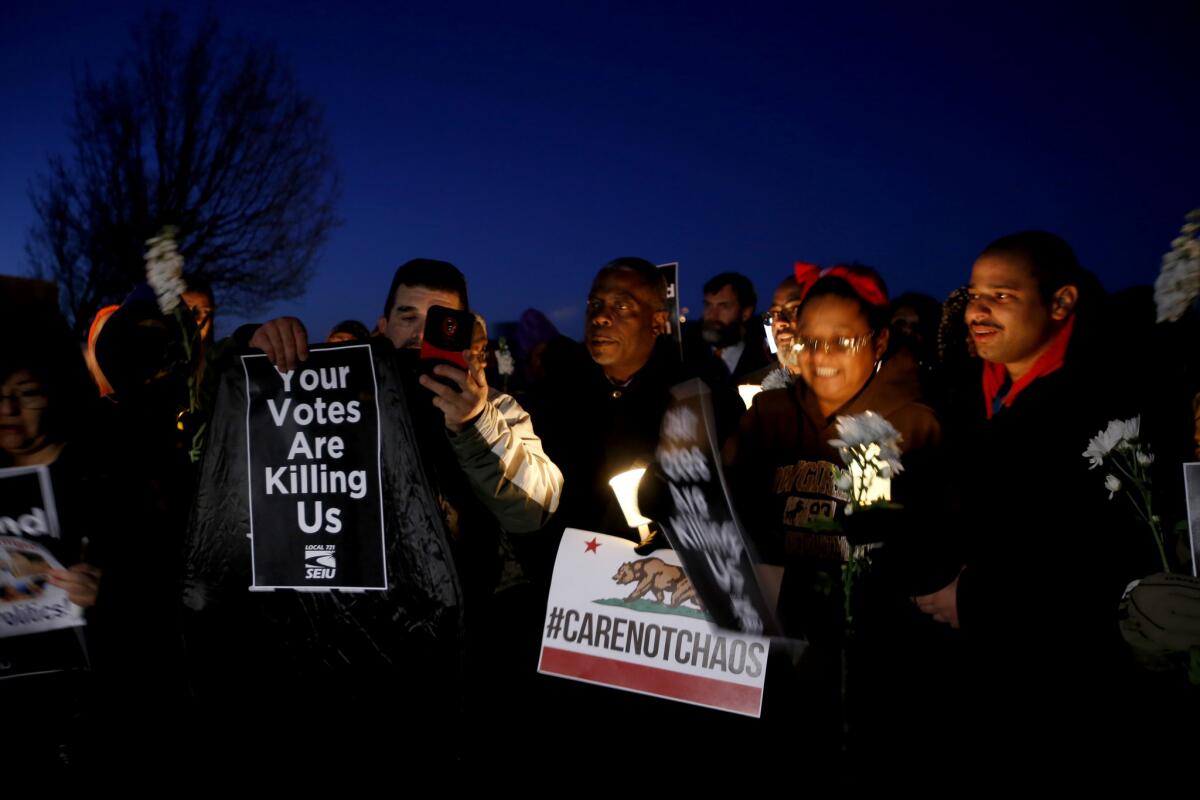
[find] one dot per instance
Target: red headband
(863, 285)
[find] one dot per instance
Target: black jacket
(593, 430)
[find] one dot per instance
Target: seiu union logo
(320, 564)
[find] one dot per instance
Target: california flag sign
(633, 622)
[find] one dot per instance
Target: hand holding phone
(447, 335)
(448, 367)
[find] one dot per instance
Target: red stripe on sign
(653, 680)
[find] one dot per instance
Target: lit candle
(625, 487)
(747, 391)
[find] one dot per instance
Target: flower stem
(1148, 518)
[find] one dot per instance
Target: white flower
(164, 270)
(1178, 284)
(1119, 433)
(1144, 458)
(505, 364)
(865, 428)
(777, 379)
(856, 434)
(1113, 484)
(843, 480)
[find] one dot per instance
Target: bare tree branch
(211, 136)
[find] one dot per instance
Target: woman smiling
(784, 475)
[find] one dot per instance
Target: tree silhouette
(211, 136)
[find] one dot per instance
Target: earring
(878, 366)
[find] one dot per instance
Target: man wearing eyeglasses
(780, 323)
(781, 318)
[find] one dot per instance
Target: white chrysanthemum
(860, 431)
(777, 379)
(164, 270)
(1113, 484)
(505, 364)
(865, 428)
(1118, 433)
(1144, 458)
(1178, 284)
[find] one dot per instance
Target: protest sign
(698, 519)
(1191, 484)
(28, 535)
(252, 653)
(316, 513)
(670, 273)
(635, 623)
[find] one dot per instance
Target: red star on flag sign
(591, 546)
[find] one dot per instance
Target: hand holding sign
(284, 340)
(313, 459)
(463, 406)
(81, 583)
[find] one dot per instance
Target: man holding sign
(491, 436)
(483, 461)
(603, 415)
(313, 437)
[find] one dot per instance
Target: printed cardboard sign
(634, 623)
(28, 534)
(699, 520)
(1191, 484)
(316, 512)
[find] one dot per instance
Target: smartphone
(447, 334)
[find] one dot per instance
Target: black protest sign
(670, 273)
(255, 656)
(316, 514)
(697, 516)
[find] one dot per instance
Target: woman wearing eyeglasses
(45, 395)
(783, 473)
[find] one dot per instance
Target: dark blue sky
(530, 143)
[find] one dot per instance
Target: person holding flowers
(1044, 554)
(799, 466)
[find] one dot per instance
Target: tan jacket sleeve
(503, 459)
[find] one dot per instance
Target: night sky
(530, 143)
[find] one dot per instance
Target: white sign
(634, 623)
(29, 603)
(1191, 486)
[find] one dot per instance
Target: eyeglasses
(30, 399)
(787, 315)
(838, 345)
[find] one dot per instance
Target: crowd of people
(997, 617)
